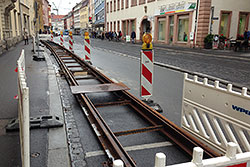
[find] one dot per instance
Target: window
(242, 23)
(151, 1)
(114, 26)
(110, 26)
(183, 28)
(171, 29)
(141, 2)
(225, 23)
(133, 25)
(118, 26)
(126, 3)
(133, 3)
(124, 28)
(122, 5)
(107, 7)
(107, 26)
(114, 5)
(118, 4)
(161, 28)
(110, 6)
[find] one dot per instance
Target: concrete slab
(58, 147)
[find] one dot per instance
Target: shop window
(183, 28)
(118, 25)
(114, 26)
(161, 28)
(107, 26)
(242, 23)
(171, 29)
(133, 25)
(124, 28)
(225, 23)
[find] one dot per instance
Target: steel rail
(109, 142)
(180, 137)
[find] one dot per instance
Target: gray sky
(64, 6)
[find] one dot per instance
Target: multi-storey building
(68, 21)
(57, 22)
(91, 12)
(76, 17)
(175, 21)
(15, 18)
(99, 15)
(84, 16)
(45, 15)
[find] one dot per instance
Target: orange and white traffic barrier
(70, 41)
(87, 48)
(61, 39)
(51, 35)
(147, 67)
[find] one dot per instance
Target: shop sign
(177, 7)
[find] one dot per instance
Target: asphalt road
(227, 65)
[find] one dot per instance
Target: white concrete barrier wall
(216, 115)
(23, 111)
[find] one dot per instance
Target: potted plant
(208, 41)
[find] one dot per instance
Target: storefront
(174, 23)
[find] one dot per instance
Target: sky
(64, 6)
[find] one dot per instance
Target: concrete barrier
(23, 111)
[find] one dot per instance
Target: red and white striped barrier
(70, 41)
(147, 69)
(52, 35)
(87, 48)
(61, 39)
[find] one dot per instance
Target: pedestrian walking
(246, 38)
(25, 37)
(119, 35)
(133, 36)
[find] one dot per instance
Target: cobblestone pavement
(227, 65)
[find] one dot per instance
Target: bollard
(118, 163)
(146, 67)
(70, 41)
(51, 35)
(231, 150)
(61, 38)
(160, 160)
(197, 156)
(87, 48)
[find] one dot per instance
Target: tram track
(76, 70)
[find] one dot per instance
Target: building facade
(84, 22)
(16, 16)
(99, 15)
(175, 21)
(76, 18)
(57, 22)
(45, 16)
